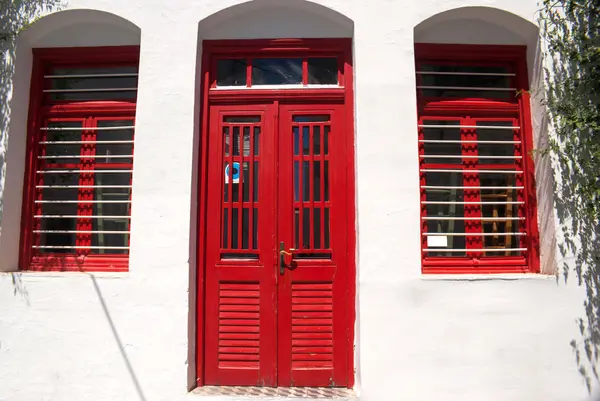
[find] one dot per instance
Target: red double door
(277, 291)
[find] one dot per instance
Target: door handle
(282, 253)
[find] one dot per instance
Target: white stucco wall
(130, 336)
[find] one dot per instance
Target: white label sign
(440, 241)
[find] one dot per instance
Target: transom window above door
(286, 71)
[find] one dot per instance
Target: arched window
(77, 191)
(478, 210)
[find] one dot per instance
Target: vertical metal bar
(130, 185)
(519, 182)
(422, 177)
(39, 194)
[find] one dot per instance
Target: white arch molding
(254, 19)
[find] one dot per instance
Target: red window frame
(467, 111)
(41, 110)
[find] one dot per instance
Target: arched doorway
(276, 241)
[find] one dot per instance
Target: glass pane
(464, 80)
(246, 181)
(296, 180)
(318, 118)
(255, 180)
(296, 134)
(234, 228)
(59, 191)
(121, 136)
(113, 197)
(62, 148)
(502, 231)
(323, 71)
(109, 78)
(317, 227)
(326, 183)
(306, 181)
(276, 71)
(231, 72)
(245, 228)
(317, 140)
(246, 139)
(326, 244)
(226, 140)
(317, 180)
(225, 243)
(306, 228)
(226, 175)
(296, 228)
(255, 229)
(256, 141)
(439, 147)
(306, 140)
(326, 140)
(495, 149)
(236, 141)
(242, 119)
(445, 227)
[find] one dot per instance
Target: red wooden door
(311, 323)
(241, 287)
(276, 180)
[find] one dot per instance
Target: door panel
(276, 177)
(240, 271)
(312, 209)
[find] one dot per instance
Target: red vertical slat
(471, 195)
(249, 72)
(322, 188)
(311, 186)
(240, 208)
(300, 187)
(229, 184)
(85, 195)
(251, 187)
(305, 72)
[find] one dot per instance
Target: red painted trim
(472, 110)
(245, 96)
(348, 78)
(212, 50)
(40, 109)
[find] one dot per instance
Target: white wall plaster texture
(467, 339)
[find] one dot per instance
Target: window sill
(486, 277)
(68, 274)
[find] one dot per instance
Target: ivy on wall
(571, 36)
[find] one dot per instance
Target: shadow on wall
(15, 16)
(573, 101)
